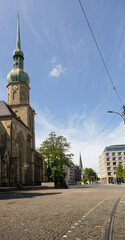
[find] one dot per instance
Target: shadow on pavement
(20, 194)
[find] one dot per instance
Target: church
(19, 161)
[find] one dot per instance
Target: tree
(123, 174)
(56, 151)
(90, 174)
(119, 172)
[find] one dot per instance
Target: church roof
(6, 111)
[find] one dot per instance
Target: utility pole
(124, 113)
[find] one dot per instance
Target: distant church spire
(18, 43)
(80, 161)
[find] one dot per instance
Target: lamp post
(123, 116)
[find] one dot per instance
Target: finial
(18, 43)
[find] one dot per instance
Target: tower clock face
(15, 87)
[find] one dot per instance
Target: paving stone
(52, 214)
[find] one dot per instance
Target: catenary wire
(104, 63)
(100, 132)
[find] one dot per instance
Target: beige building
(70, 176)
(108, 162)
(19, 162)
(73, 175)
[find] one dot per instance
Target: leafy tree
(90, 174)
(119, 172)
(56, 150)
(85, 179)
(123, 174)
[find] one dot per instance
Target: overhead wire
(102, 58)
(100, 132)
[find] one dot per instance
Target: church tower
(18, 88)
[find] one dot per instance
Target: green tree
(123, 174)
(56, 150)
(90, 174)
(119, 172)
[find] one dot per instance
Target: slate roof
(6, 111)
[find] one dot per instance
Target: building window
(108, 168)
(108, 163)
(114, 163)
(113, 158)
(119, 158)
(107, 159)
(114, 168)
(109, 173)
(107, 154)
(119, 153)
(124, 153)
(113, 153)
(114, 173)
(120, 163)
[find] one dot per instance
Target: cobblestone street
(75, 214)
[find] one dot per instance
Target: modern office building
(108, 162)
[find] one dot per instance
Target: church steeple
(17, 74)
(18, 55)
(80, 161)
(18, 43)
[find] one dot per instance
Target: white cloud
(54, 59)
(77, 44)
(57, 70)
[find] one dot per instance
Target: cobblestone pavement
(73, 214)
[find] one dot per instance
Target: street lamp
(123, 116)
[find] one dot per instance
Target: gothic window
(21, 144)
(4, 139)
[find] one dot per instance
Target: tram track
(100, 227)
(111, 223)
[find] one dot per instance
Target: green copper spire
(18, 43)
(17, 73)
(18, 51)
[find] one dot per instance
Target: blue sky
(70, 89)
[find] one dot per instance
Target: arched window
(21, 144)
(4, 139)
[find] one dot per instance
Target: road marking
(83, 218)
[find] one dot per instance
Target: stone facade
(19, 162)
